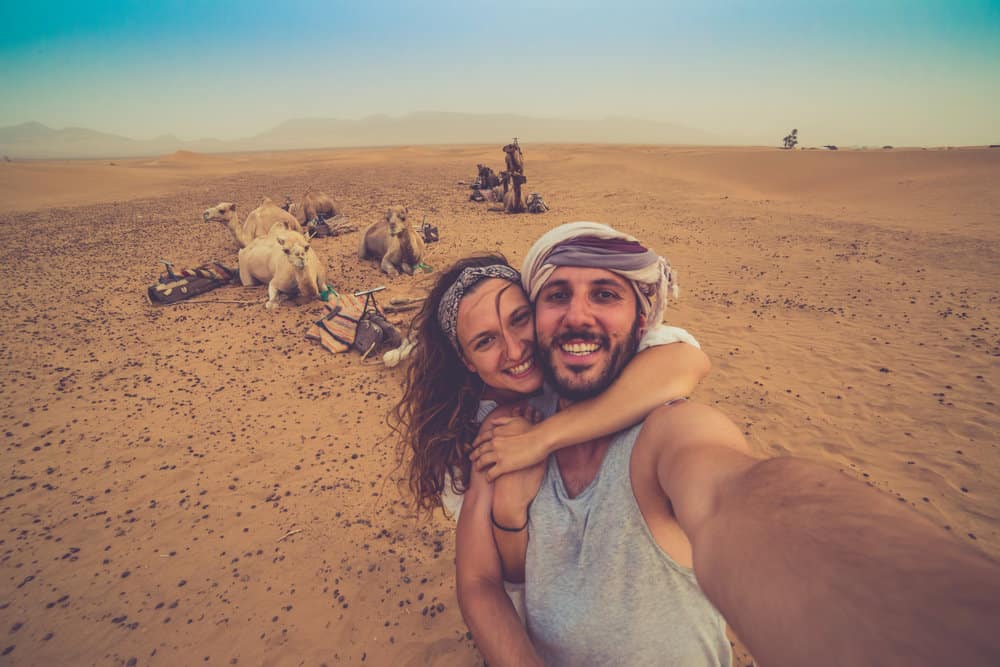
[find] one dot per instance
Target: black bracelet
(505, 528)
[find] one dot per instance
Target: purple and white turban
(596, 245)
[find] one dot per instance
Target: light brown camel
(513, 201)
(392, 241)
(314, 204)
(258, 223)
(285, 262)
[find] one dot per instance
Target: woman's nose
(514, 344)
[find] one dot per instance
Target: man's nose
(578, 312)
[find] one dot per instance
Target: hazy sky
(865, 72)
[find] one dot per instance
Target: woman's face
(496, 332)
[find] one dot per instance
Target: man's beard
(579, 391)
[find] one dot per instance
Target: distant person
(808, 566)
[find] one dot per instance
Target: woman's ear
(468, 365)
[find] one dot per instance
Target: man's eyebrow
(558, 282)
(608, 281)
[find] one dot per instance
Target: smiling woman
(496, 332)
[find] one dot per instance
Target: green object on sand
(326, 292)
(424, 267)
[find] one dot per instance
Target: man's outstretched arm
(811, 567)
(485, 606)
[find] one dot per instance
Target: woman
(476, 352)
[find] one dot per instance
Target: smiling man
(807, 565)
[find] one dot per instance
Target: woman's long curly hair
(435, 418)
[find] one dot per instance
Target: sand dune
(160, 459)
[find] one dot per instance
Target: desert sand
(199, 484)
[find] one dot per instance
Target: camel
(395, 243)
(315, 205)
(514, 158)
(513, 202)
(487, 178)
(258, 223)
(284, 261)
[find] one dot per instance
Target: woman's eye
(521, 318)
(482, 343)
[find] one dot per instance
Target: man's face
(587, 325)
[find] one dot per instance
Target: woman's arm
(653, 377)
(485, 606)
(512, 494)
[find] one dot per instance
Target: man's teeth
(581, 348)
(520, 368)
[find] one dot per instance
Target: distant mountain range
(34, 140)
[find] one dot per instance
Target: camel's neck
(307, 280)
(406, 245)
(237, 229)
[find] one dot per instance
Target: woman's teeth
(580, 348)
(521, 368)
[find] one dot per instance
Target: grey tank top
(600, 590)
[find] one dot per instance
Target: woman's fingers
(486, 460)
(485, 448)
(493, 473)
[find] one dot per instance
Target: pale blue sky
(845, 72)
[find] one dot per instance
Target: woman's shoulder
(484, 410)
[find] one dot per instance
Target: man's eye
(606, 295)
(556, 296)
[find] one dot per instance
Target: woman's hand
(506, 446)
(513, 493)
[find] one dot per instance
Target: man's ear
(642, 324)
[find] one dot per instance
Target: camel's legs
(387, 266)
(273, 296)
(245, 278)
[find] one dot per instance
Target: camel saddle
(176, 285)
(354, 324)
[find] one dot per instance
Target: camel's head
(295, 251)
(223, 213)
(396, 217)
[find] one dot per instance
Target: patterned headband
(448, 308)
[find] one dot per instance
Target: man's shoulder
(683, 422)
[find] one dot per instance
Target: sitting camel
(284, 261)
(396, 244)
(487, 178)
(258, 223)
(315, 205)
(513, 202)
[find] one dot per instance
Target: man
(808, 566)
